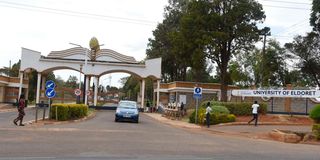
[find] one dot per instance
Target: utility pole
(264, 32)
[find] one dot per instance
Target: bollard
(36, 113)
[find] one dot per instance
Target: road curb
(173, 122)
(32, 122)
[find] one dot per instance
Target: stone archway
(82, 60)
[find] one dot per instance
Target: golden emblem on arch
(95, 48)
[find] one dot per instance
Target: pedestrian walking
(21, 106)
(208, 110)
(255, 107)
(182, 108)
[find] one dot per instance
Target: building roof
(102, 55)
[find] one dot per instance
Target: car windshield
(129, 105)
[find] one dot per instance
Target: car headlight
(117, 111)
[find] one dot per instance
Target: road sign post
(197, 94)
(50, 93)
(77, 92)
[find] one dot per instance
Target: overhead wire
(283, 7)
(288, 2)
(74, 13)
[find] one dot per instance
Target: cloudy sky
(121, 25)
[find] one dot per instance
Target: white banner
(277, 93)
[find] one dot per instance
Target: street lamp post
(264, 32)
(85, 64)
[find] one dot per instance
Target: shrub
(238, 108)
(216, 108)
(315, 114)
(69, 111)
(220, 109)
(316, 130)
(215, 118)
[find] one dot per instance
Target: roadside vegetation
(68, 111)
(224, 112)
(315, 115)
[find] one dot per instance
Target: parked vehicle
(127, 111)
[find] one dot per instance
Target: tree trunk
(225, 57)
(223, 82)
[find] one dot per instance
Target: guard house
(9, 88)
(179, 91)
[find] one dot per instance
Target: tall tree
(13, 71)
(224, 27)
(131, 87)
(169, 44)
(274, 65)
(72, 82)
(315, 16)
(307, 51)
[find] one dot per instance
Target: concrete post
(158, 93)
(21, 83)
(43, 85)
(86, 90)
(142, 93)
(38, 88)
(95, 81)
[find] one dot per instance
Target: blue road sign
(197, 92)
(50, 93)
(50, 84)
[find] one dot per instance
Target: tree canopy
(196, 31)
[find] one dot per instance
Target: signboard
(88, 93)
(50, 84)
(277, 93)
(50, 93)
(197, 92)
(77, 92)
(183, 99)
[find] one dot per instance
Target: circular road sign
(88, 93)
(50, 93)
(77, 92)
(50, 84)
(197, 90)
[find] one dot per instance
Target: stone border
(285, 136)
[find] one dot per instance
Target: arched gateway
(94, 63)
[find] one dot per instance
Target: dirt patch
(278, 118)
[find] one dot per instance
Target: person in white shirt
(208, 110)
(255, 107)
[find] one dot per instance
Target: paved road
(6, 118)
(102, 138)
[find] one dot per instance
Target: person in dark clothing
(148, 106)
(182, 108)
(208, 110)
(21, 106)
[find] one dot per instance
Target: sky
(121, 25)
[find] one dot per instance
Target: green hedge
(69, 111)
(315, 113)
(215, 118)
(316, 130)
(237, 108)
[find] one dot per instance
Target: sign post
(50, 93)
(197, 94)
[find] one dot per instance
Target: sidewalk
(239, 129)
(4, 107)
